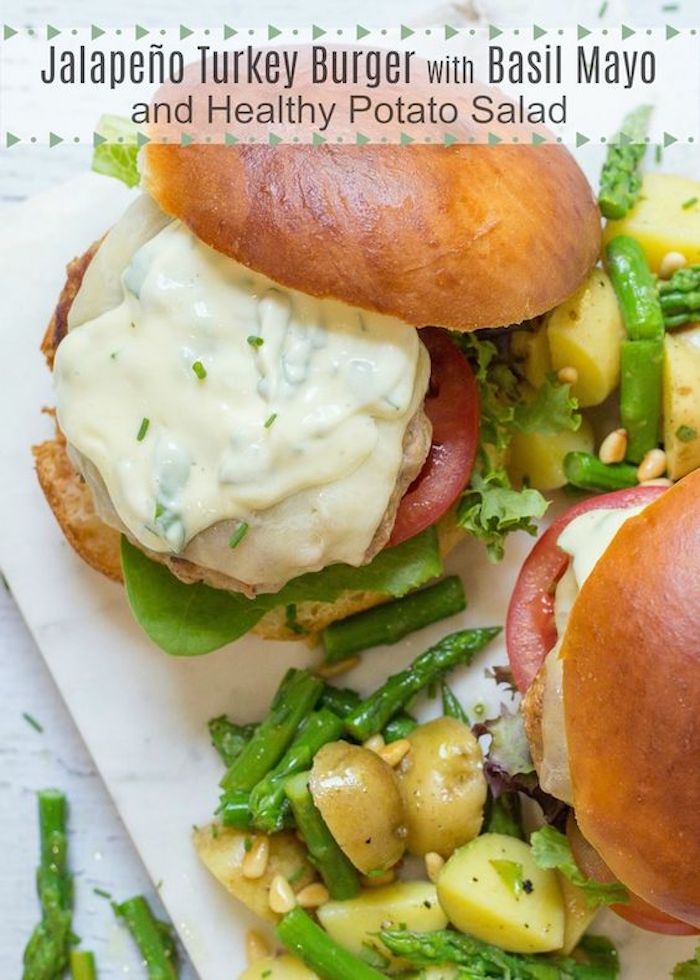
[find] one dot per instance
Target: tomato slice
(636, 911)
(530, 629)
(452, 405)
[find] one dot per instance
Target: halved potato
(285, 967)
(681, 401)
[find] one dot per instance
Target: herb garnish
(270, 419)
(199, 370)
(686, 433)
(238, 534)
(255, 341)
(143, 429)
(33, 722)
(691, 202)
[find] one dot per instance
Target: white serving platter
(143, 716)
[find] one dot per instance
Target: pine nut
(433, 865)
(326, 671)
(653, 465)
(394, 752)
(670, 263)
(256, 946)
(613, 448)
(374, 743)
(567, 375)
(255, 862)
(660, 481)
(281, 897)
(313, 895)
(376, 881)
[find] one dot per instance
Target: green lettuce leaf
(490, 508)
(552, 410)
(189, 620)
(551, 849)
(688, 969)
(118, 156)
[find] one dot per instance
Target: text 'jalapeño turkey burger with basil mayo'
(242, 396)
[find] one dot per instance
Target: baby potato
(284, 967)
(222, 850)
(681, 400)
(358, 796)
(586, 332)
(538, 457)
(443, 787)
(578, 914)
(492, 889)
(531, 349)
(660, 222)
(354, 923)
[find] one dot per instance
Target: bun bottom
(98, 544)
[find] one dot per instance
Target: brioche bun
(460, 237)
(631, 656)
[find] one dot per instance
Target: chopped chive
(199, 370)
(603, 9)
(143, 429)
(255, 341)
(658, 152)
(247, 844)
(102, 893)
(270, 419)
(691, 202)
(159, 511)
(33, 722)
(291, 621)
(238, 534)
(686, 433)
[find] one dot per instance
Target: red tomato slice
(452, 405)
(530, 629)
(636, 911)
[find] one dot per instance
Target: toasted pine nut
(660, 481)
(333, 670)
(653, 465)
(256, 947)
(376, 881)
(394, 752)
(255, 862)
(313, 895)
(613, 448)
(374, 743)
(433, 865)
(281, 897)
(670, 263)
(567, 375)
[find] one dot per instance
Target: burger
(603, 642)
(262, 420)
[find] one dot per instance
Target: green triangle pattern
(185, 32)
(185, 139)
(538, 32)
(669, 140)
(582, 32)
(98, 140)
(581, 140)
(229, 32)
(51, 32)
(54, 140)
(142, 139)
(316, 32)
(450, 32)
(406, 32)
(494, 32)
(361, 140)
(671, 32)
(538, 140)
(624, 139)
(11, 139)
(493, 140)
(405, 139)
(274, 140)
(317, 139)
(361, 32)
(8, 32)
(230, 139)
(96, 32)
(449, 140)
(626, 32)
(272, 32)
(140, 32)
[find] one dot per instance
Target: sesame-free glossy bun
(461, 237)
(632, 703)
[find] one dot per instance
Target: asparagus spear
(82, 965)
(300, 934)
(642, 352)
(587, 472)
(267, 801)
(503, 816)
(620, 180)
(46, 953)
(229, 739)
(390, 622)
(296, 696)
(234, 809)
(337, 871)
(340, 700)
(398, 727)
(451, 706)
(458, 648)
(680, 297)
(153, 938)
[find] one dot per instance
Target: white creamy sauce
(585, 539)
(209, 394)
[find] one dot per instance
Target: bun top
(461, 237)
(631, 694)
